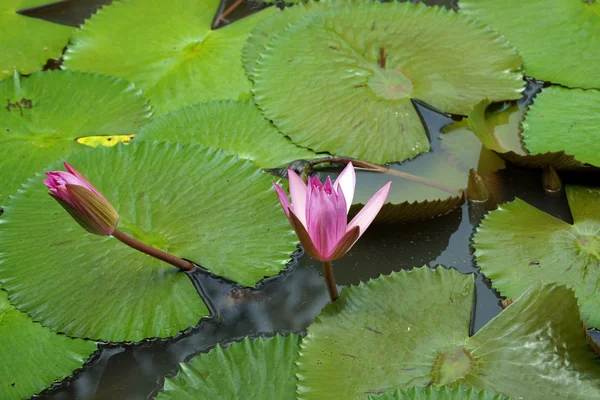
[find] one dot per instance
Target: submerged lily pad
(342, 80)
(167, 49)
(412, 329)
(566, 120)
(262, 368)
(48, 111)
(558, 46)
(238, 127)
(28, 43)
(519, 245)
(33, 357)
(179, 199)
(445, 393)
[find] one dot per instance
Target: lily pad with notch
(34, 357)
(28, 43)
(518, 245)
(341, 80)
(261, 368)
(412, 329)
(173, 197)
(168, 49)
(445, 393)
(48, 112)
(237, 127)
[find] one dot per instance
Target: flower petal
(364, 218)
(305, 239)
(283, 199)
(347, 181)
(298, 192)
(80, 180)
(344, 244)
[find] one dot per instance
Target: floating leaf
(557, 46)
(108, 141)
(445, 393)
(566, 120)
(342, 80)
(262, 368)
(33, 357)
(412, 329)
(28, 43)
(237, 127)
(179, 199)
(519, 245)
(48, 111)
(166, 48)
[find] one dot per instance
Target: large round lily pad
(342, 80)
(238, 127)
(48, 111)
(262, 368)
(33, 357)
(28, 43)
(412, 329)
(519, 245)
(445, 393)
(558, 46)
(568, 120)
(166, 48)
(196, 203)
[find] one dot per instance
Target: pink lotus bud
(319, 213)
(82, 200)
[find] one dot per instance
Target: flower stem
(152, 251)
(330, 280)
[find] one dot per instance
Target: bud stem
(152, 251)
(330, 280)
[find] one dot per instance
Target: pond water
(289, 301)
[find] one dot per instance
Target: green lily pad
(342, 80)
(412, 329)
(28, 43)
(238, 127)
(167, 49)
(262, 368)
(566, 120)
(33, 357)
(445, 393)
(176, 198)
(48, 111)
(557, 46)
(519, 245)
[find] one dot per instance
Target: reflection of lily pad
(566, 120)
(179, 199)
(236, 127)
(445, 393)
(33, 357)
(27, 43)
(167, 49)
(48, 111)
(558, 46)
(262, 368)
(342, 80)
(519, 245)
(412, 329)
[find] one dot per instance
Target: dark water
(291, 300)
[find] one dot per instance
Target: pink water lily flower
(319, 213)
(82, 200)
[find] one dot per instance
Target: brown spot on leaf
(382, 57)
(373, 330)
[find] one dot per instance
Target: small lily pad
(558, 46)
(176, 198)
(28, 43)
(519, 245)
(238, 127)
(412, 329)
(262, 368)
(341, 81)
(445, 393)
(33, 357)
(167, 49)
(568, 120)
(48, 111)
